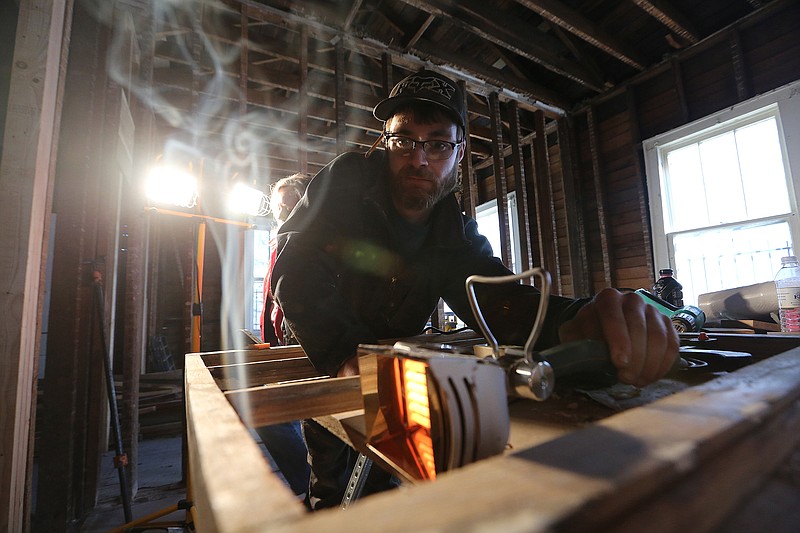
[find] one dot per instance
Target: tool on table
(685, 318)
(532, 374)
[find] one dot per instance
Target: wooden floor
(160, 486)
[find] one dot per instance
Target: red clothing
(271, 314)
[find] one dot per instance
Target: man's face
(418, 182)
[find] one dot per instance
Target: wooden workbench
(688, 461)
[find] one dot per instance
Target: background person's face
(287, 199)
(418, 183)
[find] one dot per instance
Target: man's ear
(461, 149)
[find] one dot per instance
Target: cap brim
(385, 109)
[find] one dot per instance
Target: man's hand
(642, 341)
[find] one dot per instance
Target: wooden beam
(680, 89)
(600, 199)
(509, 34)
(36, 83)
(220, 450)
(664, 12)
(558, 13)
(500, 187)
(544, 204)
(340, 99)
(302, 101)
(469, 187)
(685, 462)
(481, 81)
(262, 406)
(520, 187)
(575, 229)
(743, 90)
(257, 373)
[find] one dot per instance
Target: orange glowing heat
(418, 413)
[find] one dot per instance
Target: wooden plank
(600, 198)
(575, 234)
(469, 189)
(520, 187)
(267, 405)
(26, 176)
(253, 374)
(544, 203)
(500, 187)
(681, 463)
(232, 357)
(231, 484)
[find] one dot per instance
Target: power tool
(686, 318)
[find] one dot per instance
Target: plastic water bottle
(787, 283)
(668, 289)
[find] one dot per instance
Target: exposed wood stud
(544, 203)
(575, 229)
(500, 187)
(743, 90)
(469, 190)
(600, 198)
(341, 90)
(520, 187)
(302, 104)
(386, 74)
(680, 89)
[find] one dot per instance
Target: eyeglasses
(434, 149)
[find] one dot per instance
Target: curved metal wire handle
(496, 280)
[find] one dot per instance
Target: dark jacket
(342, 277)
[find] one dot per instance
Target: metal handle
(496, 280)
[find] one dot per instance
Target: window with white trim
(723, 198)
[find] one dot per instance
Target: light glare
(171, 185)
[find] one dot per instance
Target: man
(284, 442)
(285, 194)
(377, 240)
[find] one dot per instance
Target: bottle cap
(665, 272)
(788, 259)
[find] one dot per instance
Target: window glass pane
(261, 253)
(723, 258)
(685, 193)
(722, 180)
(731, 177)
(763, 173)
(489, 227)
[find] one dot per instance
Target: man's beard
(417, 199)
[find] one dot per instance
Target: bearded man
(376, 242)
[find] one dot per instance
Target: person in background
(284, 442)
(285, 194)
(377, 240)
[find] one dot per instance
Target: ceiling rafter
(664, 12)
(482, 80)
(503, 31)
(575, 23)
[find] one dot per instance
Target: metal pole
(121, 459)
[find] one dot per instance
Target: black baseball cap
(425, 86)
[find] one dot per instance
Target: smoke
(205, 122)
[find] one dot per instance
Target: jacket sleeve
(509, 309)
(304, 279)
